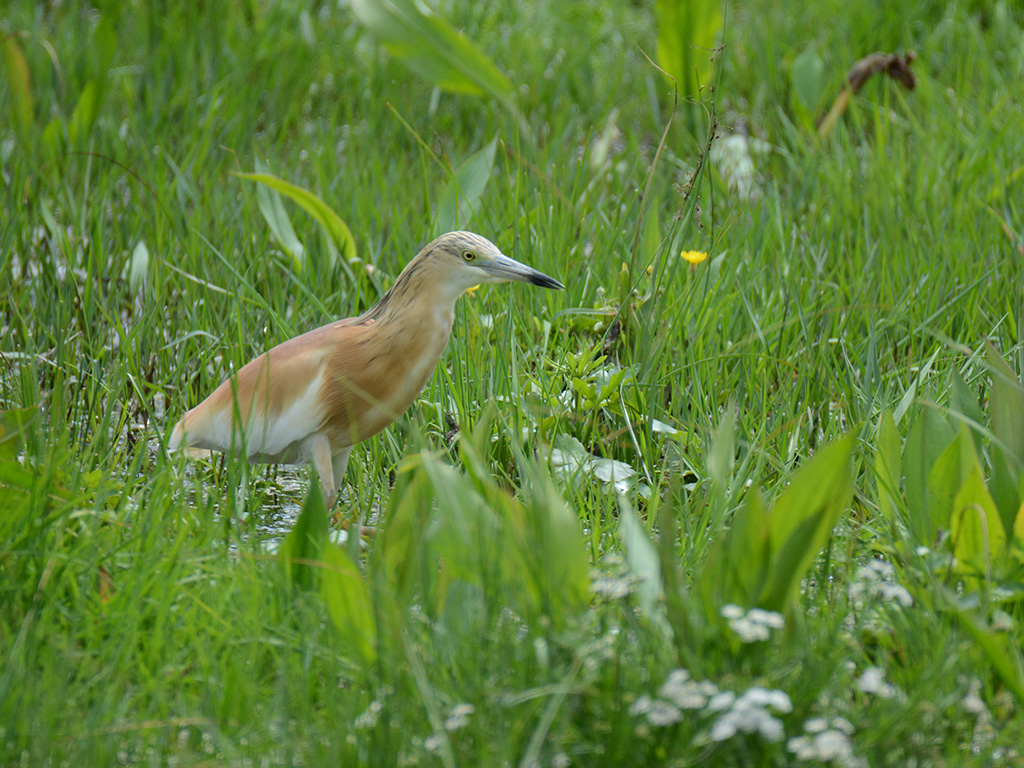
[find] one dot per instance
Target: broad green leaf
(560, 556)
(84, 114)
(305, 541)
(14, 475)
(650, 240)
(963, 402)
(336, 229)
(911, 394)
(944, 481)
(138, 267)
(1007, 406)
(887, 465)
(738, 564)
(432, 49)
(13, 424)
(601, 149)
(53, 137)
(464, 532)
(461, 196)
(641, 557)
(348, 602)
(802, 519)
(272, 207)
(807, 76)
(687, 33)
(402, 541)
(792, 560)
(977, 530)
(1007, 412)
(722, 454)
(929, 436)
(1018, 534)
(19, 82)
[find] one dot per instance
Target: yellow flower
(694, 257)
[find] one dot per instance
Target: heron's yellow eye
(468, 255)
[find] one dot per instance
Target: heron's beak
(503, 268)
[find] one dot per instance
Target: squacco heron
(311, 398)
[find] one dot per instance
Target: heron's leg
(320, 457)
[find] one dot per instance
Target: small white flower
(730, 611)
(827, 742)
(1002, 621)
(432, 744)
(872, 680)
(816, 725)
(684, 692)
(641, 706)
(748, 631)
(723, 728)
(754, 625)
(769, 619)
(662, 713)
(612, 587)
(370, 717)
(895, 593)
(972, 702)
(459, 717)
(749, 713)
(721, 701)
(877, 580)
(842, 724)
(833, 745)
(802, 747)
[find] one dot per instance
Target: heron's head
(464, 259)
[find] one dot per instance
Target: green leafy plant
(958, 482)
(766, 552)
(435, 51)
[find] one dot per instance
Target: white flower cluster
(459, 717)
(827, 741)
(872, 680)
(677, 693)
(612, 587)
(370, 717)
(750, 712)
(972, 701)
(877, 581)
(754, 625)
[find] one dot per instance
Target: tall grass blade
(335, 228)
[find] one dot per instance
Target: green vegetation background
(143, 615)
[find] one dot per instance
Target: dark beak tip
(547, 282)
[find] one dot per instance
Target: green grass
(144, 616)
